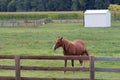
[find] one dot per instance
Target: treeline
(54, 5)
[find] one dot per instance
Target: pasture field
(39, 41)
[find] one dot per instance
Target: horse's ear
(61, 38)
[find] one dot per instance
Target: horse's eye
(58, 42)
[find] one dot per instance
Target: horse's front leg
(65, 64)
(72, 63)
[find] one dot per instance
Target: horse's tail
(86, 52)
(85, 61)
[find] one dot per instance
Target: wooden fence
(91, 68)
(21, 22)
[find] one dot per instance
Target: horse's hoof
(64, 72)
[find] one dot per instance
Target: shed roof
(96, 11)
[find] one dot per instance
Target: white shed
(97, 18)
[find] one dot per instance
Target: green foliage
(53, 15)
(54, 5)
(102, 4)
(115, 9)
(11, 6)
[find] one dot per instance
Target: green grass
(39, 41)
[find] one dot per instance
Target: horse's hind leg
(81, 62)
(65, 65)
(72, 63)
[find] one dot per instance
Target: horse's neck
(66, 45)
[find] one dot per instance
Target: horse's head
(58, 43)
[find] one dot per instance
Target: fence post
(17, 67)
(92, 73)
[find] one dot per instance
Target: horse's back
(78, 42)
(79, 46)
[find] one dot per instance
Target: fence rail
(91, 67)
(13, 22)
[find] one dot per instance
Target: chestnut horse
(73, 48)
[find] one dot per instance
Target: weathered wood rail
(91, 68)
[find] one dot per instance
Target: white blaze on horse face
(54, 46)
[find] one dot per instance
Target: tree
(82, 4)
(114, 9)
(54, 5)
(90, 4)
(114, 1)
(58, 5)
(102, 4)
(64, 5)
(19, 5)
(11, 6)
(75, 4)
(40, 6)
(27, 5)
(3, 5)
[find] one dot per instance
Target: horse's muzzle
(54, 48)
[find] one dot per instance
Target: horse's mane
(66, 44)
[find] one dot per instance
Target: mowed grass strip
(38, 15)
